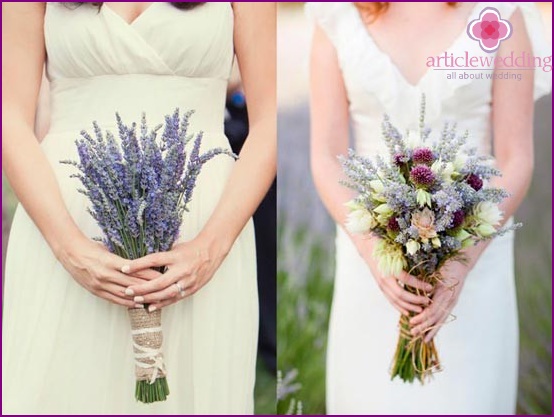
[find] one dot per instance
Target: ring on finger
(180, 288)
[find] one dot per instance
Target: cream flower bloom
(412, 247)
(423, 197)
(360, 220)
(446, 173)
(413, 139)
(390, 257)
(485, 230)
(487, 213)
(377, 186)
(460, 161)
(424, 221)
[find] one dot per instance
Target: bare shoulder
(23, 9)
(519, 40)
(260, 10)
(28, 15)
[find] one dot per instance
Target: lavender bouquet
(426, 203)
(139, 187)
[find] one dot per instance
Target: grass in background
(303, 315)
(266, 386)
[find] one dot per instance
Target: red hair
(372, 10)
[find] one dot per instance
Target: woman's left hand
(190, 266)
(445, 297)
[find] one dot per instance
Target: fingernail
(129, 292)
(152, 309)
(139, 305)
(125, 269)
(139, 299)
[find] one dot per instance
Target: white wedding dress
(66, 351)
(479, 350)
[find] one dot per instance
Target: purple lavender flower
(139, 189)
(423, 156)
(422, 175)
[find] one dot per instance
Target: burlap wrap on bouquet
(147, 344)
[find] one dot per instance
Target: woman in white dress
(66, 335)
(370, 59)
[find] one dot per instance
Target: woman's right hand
(393, 287)
(99, 271)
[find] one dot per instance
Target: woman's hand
(190, 266)
(445, 297)
(401, 299)
(393, 287)
(99, 271)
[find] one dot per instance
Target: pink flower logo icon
(490, 29)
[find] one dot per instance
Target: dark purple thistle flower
(422, 175)
(393, 225)
(474, 182)
(400, 159)
(458, 218)
(423, 156)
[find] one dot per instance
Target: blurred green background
(306, 243)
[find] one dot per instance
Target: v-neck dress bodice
(183, 56)
(66, 351)
(479, 349)
(375, 85)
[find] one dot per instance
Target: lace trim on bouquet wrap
(147, 344)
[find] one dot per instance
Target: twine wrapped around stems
(415, 358)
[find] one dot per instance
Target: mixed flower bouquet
(427, 203)
(139, 187)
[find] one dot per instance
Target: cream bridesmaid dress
(66, 351)
(479, 350)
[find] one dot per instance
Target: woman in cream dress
(66, 337)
